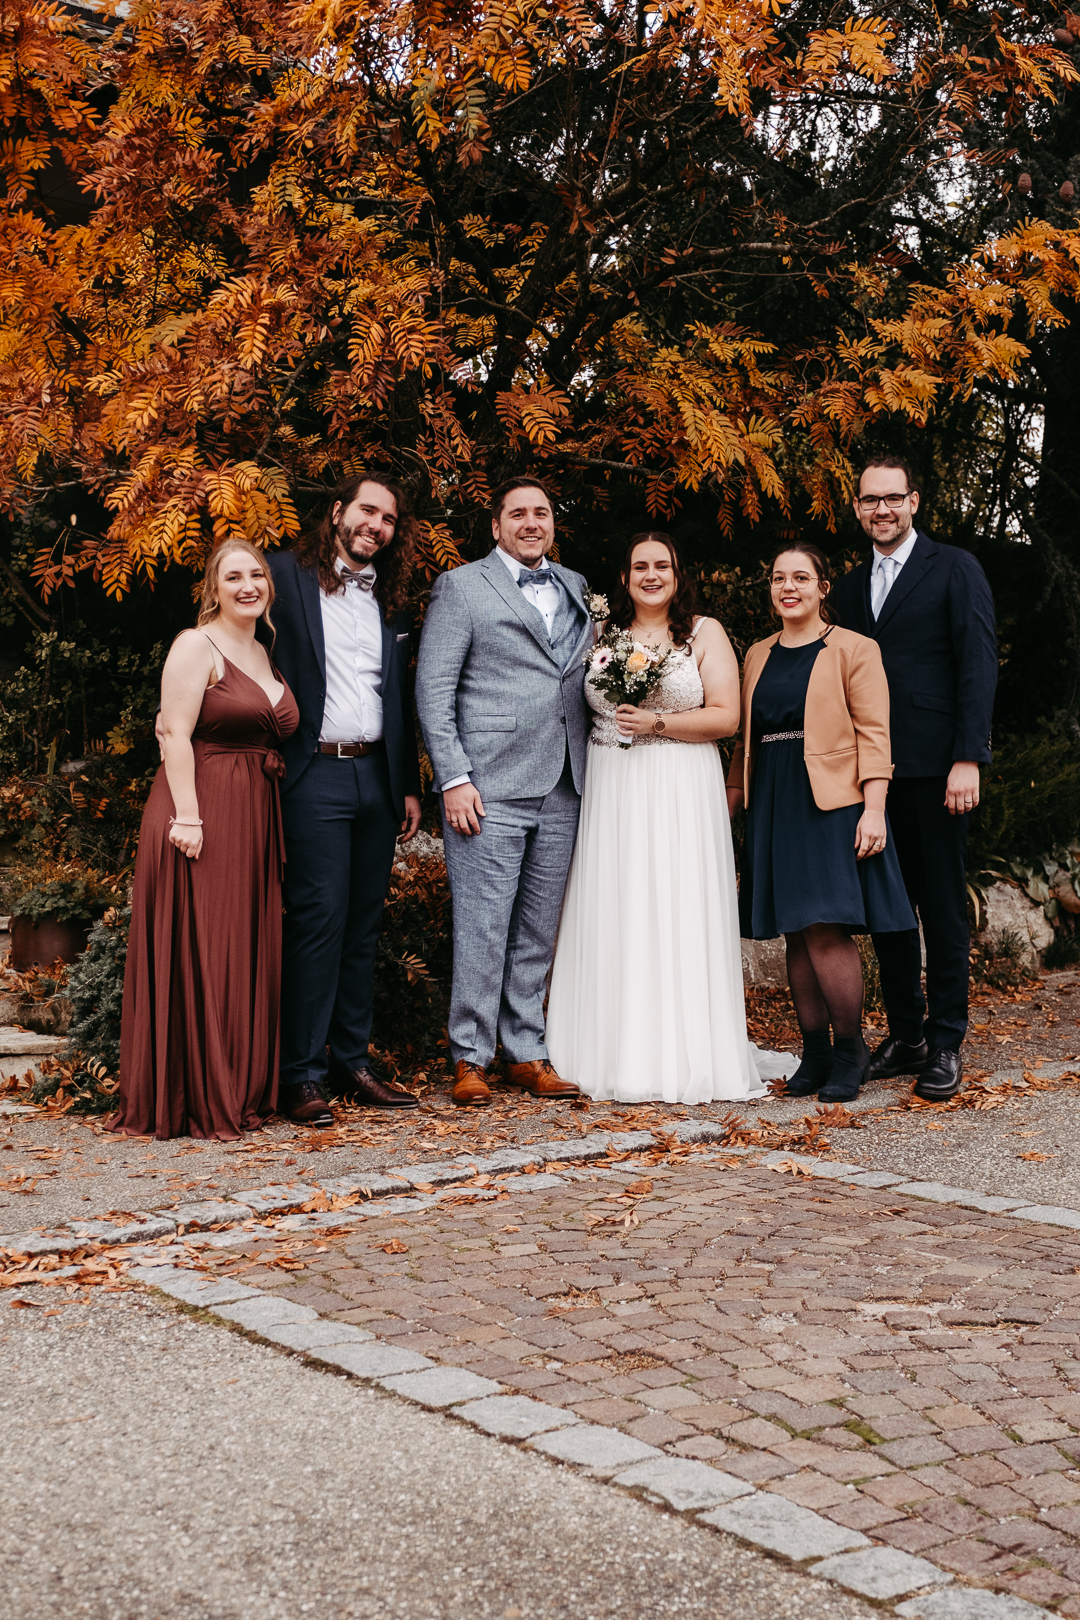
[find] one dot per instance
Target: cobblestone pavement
(906, 1370)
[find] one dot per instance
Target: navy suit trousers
(931, 845)
(340, 832)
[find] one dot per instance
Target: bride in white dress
(646, 1000)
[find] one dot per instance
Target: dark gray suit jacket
(495, 702)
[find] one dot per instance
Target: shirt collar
(898, 557)
(516, 567)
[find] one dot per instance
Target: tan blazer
(846, 726)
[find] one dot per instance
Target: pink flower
(601, 658)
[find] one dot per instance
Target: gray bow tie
(536, 576)
(364, 577)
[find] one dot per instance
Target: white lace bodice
(680, 690)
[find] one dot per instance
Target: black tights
(825, 974)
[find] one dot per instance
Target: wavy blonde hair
(209, 606)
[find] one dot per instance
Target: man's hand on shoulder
(962, 788)
(463, 808)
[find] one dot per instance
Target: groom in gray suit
(500, 694)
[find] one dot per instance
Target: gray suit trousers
(507, 883)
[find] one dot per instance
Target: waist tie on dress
(273, 768)
(782, 736)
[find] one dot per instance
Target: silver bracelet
(174, 823)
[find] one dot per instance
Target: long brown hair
(821, 569)
(317, 548)
(683, 605)
(209, 606)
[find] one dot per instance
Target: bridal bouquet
(625, 671)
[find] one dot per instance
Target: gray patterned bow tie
(364, 577)
(536, 576)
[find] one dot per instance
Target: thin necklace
(642, 637)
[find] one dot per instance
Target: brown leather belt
(349, 750)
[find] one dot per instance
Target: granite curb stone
(517, 1417)
(441, 1386)
(603, 1451)
(265, 1312)
(783, 1527)
(881, 1572)
(191, 1287)
(315, 1335)
(371, 1360)
(683, 1484)
(276, 1200)
(958, 1604)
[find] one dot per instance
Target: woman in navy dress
(813, 766)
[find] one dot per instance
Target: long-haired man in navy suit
(930, 610)
(351, 787)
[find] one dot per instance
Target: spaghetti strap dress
(799, 863)
(202, 985)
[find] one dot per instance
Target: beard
(357, 543)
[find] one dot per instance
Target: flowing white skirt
(646, 1000)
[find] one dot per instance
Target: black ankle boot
(816, 1065)
(850, 1058)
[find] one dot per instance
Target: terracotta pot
(39, 944)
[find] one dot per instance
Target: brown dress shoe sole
(472, 1102)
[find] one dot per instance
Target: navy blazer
(938, 643)
(300, 654)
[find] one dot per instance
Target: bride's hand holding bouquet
(626, 672)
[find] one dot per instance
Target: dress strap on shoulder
(220, 654)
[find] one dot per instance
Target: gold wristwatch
(658, 724)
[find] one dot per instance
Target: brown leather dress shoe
(368, 1090)
(471, 1089)
(540, 1080)
(306, 1105)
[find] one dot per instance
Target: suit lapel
(915, 569)
(573, 591)
(388, 642)
(499, 578)
(307, 581)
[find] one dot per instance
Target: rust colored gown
(202, 987)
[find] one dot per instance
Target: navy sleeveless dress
(799, 863)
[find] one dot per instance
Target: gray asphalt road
(153, 1465)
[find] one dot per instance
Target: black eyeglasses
(869, 503)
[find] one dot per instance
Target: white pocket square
(405, 637)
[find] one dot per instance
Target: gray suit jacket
(494, 700)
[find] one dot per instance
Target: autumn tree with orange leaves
(683, 254)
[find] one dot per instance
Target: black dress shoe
(367, 1089)
(305, 1104)
(894, 1057)
(941, 1077)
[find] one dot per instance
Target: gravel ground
(156, 1465)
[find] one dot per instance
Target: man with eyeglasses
(930, 610)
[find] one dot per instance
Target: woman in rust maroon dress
(199, 1038)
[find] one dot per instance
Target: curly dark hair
(821, 569)
(683, 605)
(316, 548)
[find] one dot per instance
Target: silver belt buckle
(340, 746)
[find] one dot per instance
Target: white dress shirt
(885, 570)
(544, 598)
(352, 634)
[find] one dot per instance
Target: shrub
(79, 897)
(1030, 800)
(95, 986)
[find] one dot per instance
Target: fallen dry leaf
(639, 1189)
(395, 1246)
(1037, 1156)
